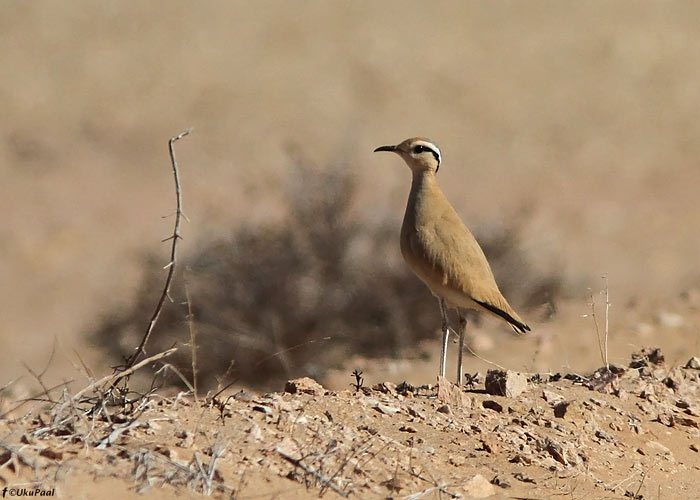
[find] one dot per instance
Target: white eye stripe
(432, 148)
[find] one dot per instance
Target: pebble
(693, 363)
(478, 487)
(305, 385)
(505, 383)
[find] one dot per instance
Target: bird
(442, 252)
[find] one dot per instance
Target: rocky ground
(625, 432)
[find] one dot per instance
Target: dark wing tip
(518, 326)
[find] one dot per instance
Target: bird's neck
(423, 182)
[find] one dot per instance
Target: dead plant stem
(173, 253)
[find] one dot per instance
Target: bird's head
(419, 153)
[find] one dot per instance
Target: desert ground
(570, 147)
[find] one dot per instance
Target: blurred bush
(296, 297)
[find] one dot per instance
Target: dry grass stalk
(602, 338)
(193, 337)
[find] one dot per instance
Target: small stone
(521, 459)
(604, 435)
(243, 395)
(652, 355)
(674, 380)
(505, 383)
(386, 409)
(478, 487)
(263, 409)
(682, 403)
(688, 422)
(493, 405)
(560, 408)
(304, 385)
(556, 450)
(451, 394)
(647, 392)
(414, 412)
(289, 448)
(693, 363)
(525, 479)
(604, 380)
(52, 454)
(408, 428)
(695, 447)
(667, 419)
(616, 369)
(444, 409)
(371, 430)
(385, 387)
(487, 445)
(658, 447)
(255, 432)
(501, 483)
(551, 397)
(599, 402)
(392, 484)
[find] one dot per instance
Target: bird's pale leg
(445, 335)
(462, 332)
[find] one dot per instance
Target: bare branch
(111, 379)
(173, 252)
(320, 477)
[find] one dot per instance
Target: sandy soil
(633, 432)
(579, 119)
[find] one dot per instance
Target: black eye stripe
(419, 148)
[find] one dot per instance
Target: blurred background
(570, 140)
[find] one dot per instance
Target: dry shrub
(295, 297)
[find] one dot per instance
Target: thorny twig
(114, 378)
(168, 366)
(172, 472)
(173, 254)
(114, 435)
(320, 477)
(440, 487)
(36, 397)
(355, 451)
(38, 376)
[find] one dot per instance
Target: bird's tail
(509, 315)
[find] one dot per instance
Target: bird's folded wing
(449, 256)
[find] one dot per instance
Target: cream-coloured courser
(442, 252)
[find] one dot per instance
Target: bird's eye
(419, 149)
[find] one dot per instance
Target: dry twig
(318, 476)
(173, 254)
(110, 380)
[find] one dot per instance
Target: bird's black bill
(385, 148)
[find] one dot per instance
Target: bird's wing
(447, 256)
